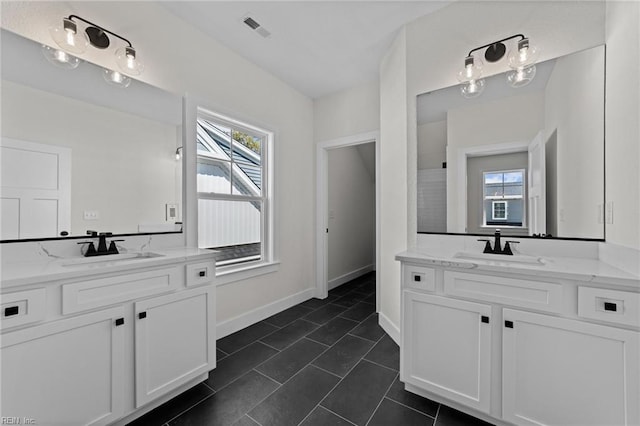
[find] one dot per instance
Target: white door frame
(322, 191)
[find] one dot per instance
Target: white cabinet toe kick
(514, 349)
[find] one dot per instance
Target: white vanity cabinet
(172, 341)
(515, 349)
(108, 346)
(558, 371)
(66, 372)
(447, 347)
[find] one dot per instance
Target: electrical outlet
(332, 214)
(91, 215)
(609, 213)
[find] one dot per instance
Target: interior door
(537, 200)
(36, 190)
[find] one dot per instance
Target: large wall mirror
(529, 160)
(78, 154)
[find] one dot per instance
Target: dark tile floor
(322, 362)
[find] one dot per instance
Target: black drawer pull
(11, 311)
(417, 278)
(142, 315)
(610, 306)
(202, 273)
(119, 321)
(508, 324)
(484, 319)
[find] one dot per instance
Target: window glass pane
(214, 176)
(245, 184)
(232, 227)
(513, 190)
(513, 177)
(247, 155)
(493, 178)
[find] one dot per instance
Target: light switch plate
(91, 215)
(171, 211)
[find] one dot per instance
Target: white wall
(574, 107)
(394, 157)
(349, 112)
(507, 120)
(622, 139)
(181, 59)
(352, 219)
(432, 52)
(122, 166)
(432, 145)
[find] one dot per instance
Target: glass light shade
(472, 89)
(60, 58)
(116, 78)
(128, 62)
(67, 37)
(472, 70)
(524, 56)
(521, 76)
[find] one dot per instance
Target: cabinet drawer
(22, 307)
(620, 307)
(539, 295)
(420, 278)
(200, 273)
(99, 292)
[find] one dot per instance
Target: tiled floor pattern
(322, 362)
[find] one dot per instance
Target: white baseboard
(239, 322)
(389, 327)
(349, 276)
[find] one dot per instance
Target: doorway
(347, 215)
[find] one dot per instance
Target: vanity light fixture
(60, 58)
(70, 40)
(178, 153)
(522, 62)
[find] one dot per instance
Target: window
(504, 198)
(233, 191)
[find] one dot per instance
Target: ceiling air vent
(254, 25)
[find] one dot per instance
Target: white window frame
(267, 263)
(493, 209)
(504, 198)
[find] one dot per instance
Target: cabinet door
(175, 341)
(446, 348)
(68, 372)
(564, 372)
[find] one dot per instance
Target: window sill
(227, 276)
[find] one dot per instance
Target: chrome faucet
(497, 246)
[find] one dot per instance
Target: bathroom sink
(488, 257)
(110, 259)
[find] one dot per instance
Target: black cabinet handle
(202, 273)
(610, 306)
(417, 278)
(484, 319)
(142, 315)
(119, 321)
(11, 311)
(508, 324)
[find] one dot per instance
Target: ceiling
(317, 47)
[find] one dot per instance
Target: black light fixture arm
(522, 37)
(71, 17)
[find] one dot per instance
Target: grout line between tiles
(265, 375)
(184, 411)
(257, 422)
(315, 341)
(380, 365)
(435, 419)
(365, 339)
(382, 399)
(326, 371)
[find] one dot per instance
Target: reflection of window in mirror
(497, 193)
(503, 201)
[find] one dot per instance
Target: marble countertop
(50, 269)
(578, 269)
